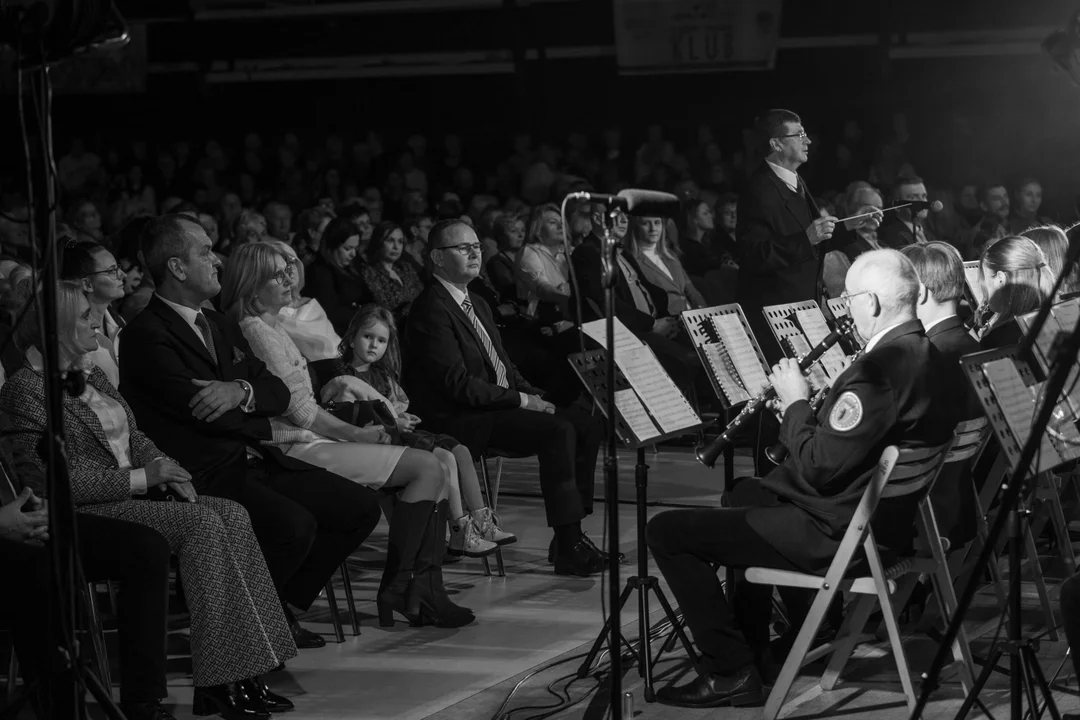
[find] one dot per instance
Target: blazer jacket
(589, 268)
(20, 465)
(447, 371)
(679, 290)
(96, 476)
(894, 233)
(340, 293)
(162, 355)
(953, 341)
(892, 395)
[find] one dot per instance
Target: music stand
(794, 325)
(591, 368)
(973, 283)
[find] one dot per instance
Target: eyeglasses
(847, 297)
(280, 276)
(801, 135)
(464, 249)
(113, 272)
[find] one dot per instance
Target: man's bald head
(890, 279)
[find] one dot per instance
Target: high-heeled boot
(426, 591)
(408, 530)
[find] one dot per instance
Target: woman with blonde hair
(256, 287)
(660, 265)
(543, 274)
(1016, 279)
(1054, 243)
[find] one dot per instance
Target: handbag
(364, 412)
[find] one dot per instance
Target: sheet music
(737, 343)
(725, 373)
(633, 412)
(662, 398)
(813, 324)
(624, 339)
(1015, 399)
(973, 277)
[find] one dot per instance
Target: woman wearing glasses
(333, 279)
(96, 272)
(256, 287)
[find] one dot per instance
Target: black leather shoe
(304, 639)
(256, 690)
(738, 690)
(229, 701)
(603, 555)
(145, 711)
(583, 560)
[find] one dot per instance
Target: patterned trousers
(238, 629)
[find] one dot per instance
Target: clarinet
(778, 453)
(707, 454)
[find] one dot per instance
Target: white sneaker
(487, 524)
(464, 540)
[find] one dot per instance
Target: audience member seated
(660, 267)
(15, 291)
(255, 288)
(1016, 280)
(462, 382)
(1054, 243)
(941, 287)
(203, 397)
(391, 282)
(542, 277)
(1026, 201)
(333, 279)
(904, 227)
(708, 254)
(96, 271)
(994, 204)
(794, 518)
(501, 269)
(237, 628)
(417, 228)
(250, 227)
(310, 227)
(374, 357)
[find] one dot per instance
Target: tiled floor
(532, 617)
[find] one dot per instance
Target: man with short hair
(794, 518)
(463, 382)
(206, 399)
(903, 227)
(994, 225)
(781, 233)
(278, 221)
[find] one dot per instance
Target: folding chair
(97, 635)
(909, 471)
(350, 602)
(490, 490)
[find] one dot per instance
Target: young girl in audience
(370, 348)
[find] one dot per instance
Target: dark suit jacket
(900, 388)
(894, 233)
(161, 356)
(341, 293)
(953, 494)
(447, 371)
(777, 262)
(588, 267)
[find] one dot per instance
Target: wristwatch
(246, 405)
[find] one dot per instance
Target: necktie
(493, 357)
(204, 328)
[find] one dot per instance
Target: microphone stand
(611, 467)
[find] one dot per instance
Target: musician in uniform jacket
(794, 518)
(782, 236)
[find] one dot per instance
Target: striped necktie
(493, 357)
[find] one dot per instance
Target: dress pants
(1070, 616)
(307, 522)
(566, 444)
(133, 556)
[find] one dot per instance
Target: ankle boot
(426, 591)
(409, 526)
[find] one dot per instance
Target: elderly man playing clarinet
(794, 517)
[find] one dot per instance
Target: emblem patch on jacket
(238, 356)
(846, 412)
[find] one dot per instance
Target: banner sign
(675, 36)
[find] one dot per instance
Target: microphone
(920, 205)
(636, 203)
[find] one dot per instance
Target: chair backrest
(915, 470)
(968, 439)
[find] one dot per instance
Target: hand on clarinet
(821, 229)
(790, 385)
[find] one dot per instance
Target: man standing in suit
(941, 278)
(639, 305)
(204, 398)
(794, 518)
(780, 236)
(904, 227)
(464, 384)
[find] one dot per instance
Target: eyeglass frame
(846, 297)
(802, 135)
(468, 248)
(114, 271)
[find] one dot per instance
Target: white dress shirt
(459, 297)
(880, 334)
(787, 176)
(937, 322)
